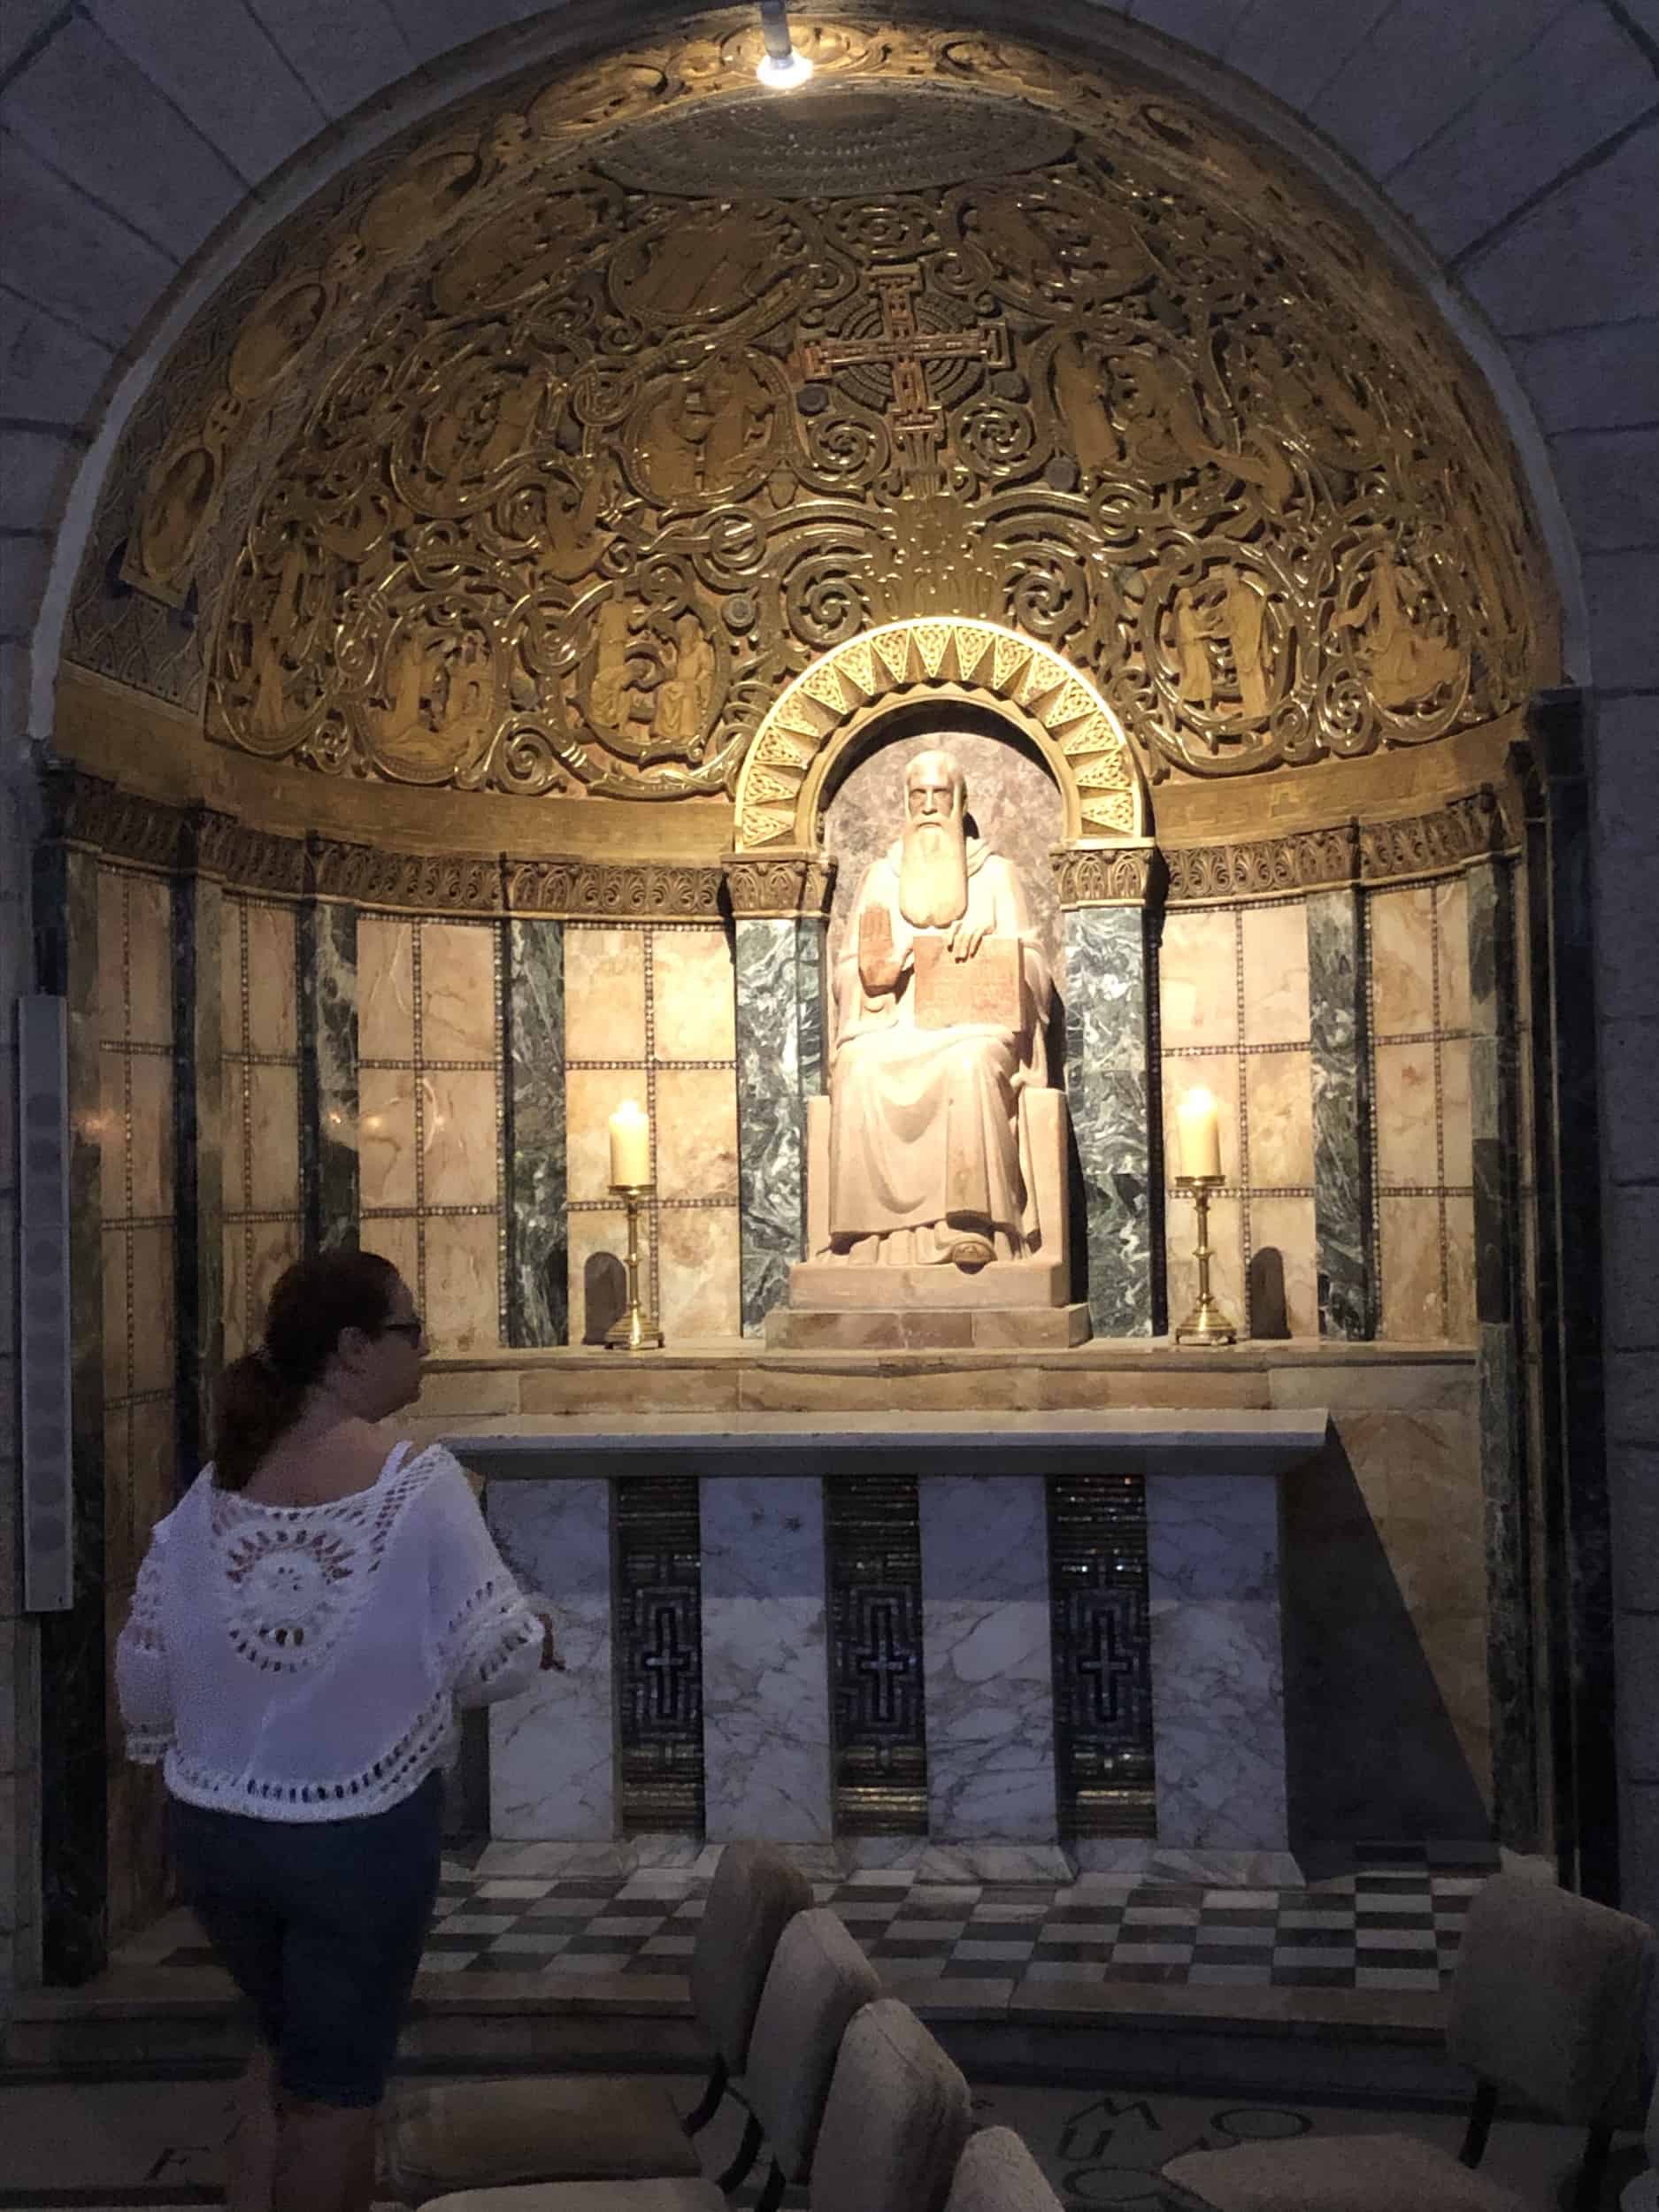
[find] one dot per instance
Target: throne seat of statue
(1006, 1303)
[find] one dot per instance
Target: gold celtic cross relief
(918, 425)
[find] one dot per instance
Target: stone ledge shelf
(1216, 1663)
(1135, 1441)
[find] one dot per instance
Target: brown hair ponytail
(259, 1396)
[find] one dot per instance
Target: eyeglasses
(414, 1328)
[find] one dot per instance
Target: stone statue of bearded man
(942, 998)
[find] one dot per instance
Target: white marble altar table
(1213, 1585)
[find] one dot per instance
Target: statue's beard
(933, 874)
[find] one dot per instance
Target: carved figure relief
(654, 436)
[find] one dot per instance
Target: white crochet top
(305, 1663)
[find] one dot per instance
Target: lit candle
(1195, 1120)
(630, 1144)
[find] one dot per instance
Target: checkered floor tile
(1393, 1926)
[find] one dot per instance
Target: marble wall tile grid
(264, 1218)
(136, 1052)
(1422, 1173)
(1386, 1923)
(1221, 1022)
(692, 1291)
(432, 1124)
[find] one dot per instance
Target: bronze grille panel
(874, 1538)
(659, 1633)
(1102, 1674)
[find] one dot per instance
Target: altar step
(171, 2023)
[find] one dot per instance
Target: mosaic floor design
(160, 2145)
(1380, 1928)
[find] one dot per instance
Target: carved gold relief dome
(546, 459)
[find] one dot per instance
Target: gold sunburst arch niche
(781, 786)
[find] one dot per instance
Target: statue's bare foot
(970, 1253)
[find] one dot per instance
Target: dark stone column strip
(1510, 1655)
(198, 908)
(328, 1072)
(1344, 1236)
(73, 1655)
(1108, 1095)
(537, 1290)
(771, 1113)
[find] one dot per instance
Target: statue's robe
(924, 1126)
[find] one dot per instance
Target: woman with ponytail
(306, 1622)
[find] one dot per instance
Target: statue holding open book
(940, 1007)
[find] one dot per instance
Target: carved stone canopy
(551, 455)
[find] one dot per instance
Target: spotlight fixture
(782, 66)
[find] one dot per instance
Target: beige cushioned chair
(996, 2173)
(461, 2135)
(1546, 2002)
(893, 2129)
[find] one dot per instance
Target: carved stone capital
(248, 860)
(419, 883)
(611, 890)
(779, 886)
(86, 810)
(1301, 860)
(1107, 875)
(1469, 828)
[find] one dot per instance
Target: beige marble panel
(1456, 1135)
(597, 1248)
(698, 1269)
(693, 1004)
(112, 956)
(462, 1163)
(1226, 1261)
(110, 1126)
(631, 1383)
(1287, 1224)
(385, 989)
(150, 961)
(1198, 995)
(386, 1137)
(462, 1298)
(273, 1246)
(230, 950)
(1087, 1389)
(591, 1096)
(120, 1567)
(273, 979)
(1274, 941)
(780, 1388)
(234, 1188)
(1408, 1145)
(696, 1133)
(1218, 1073)
(396, 1237)
(1460, 1253)
(153, 1336)
(239, 1325)
(116, 1375)
(605, 993)
(273, 1099)
(1279, 1096)
(1410, 1233)
(153, 1470)
(152, 1125)
(1451, 908)
(1402, 960)
(459, 1016)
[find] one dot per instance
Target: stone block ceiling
(544, 455)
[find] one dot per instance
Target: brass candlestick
(1206, 1324)
(635, 1332)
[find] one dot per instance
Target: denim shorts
(320, 1924)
